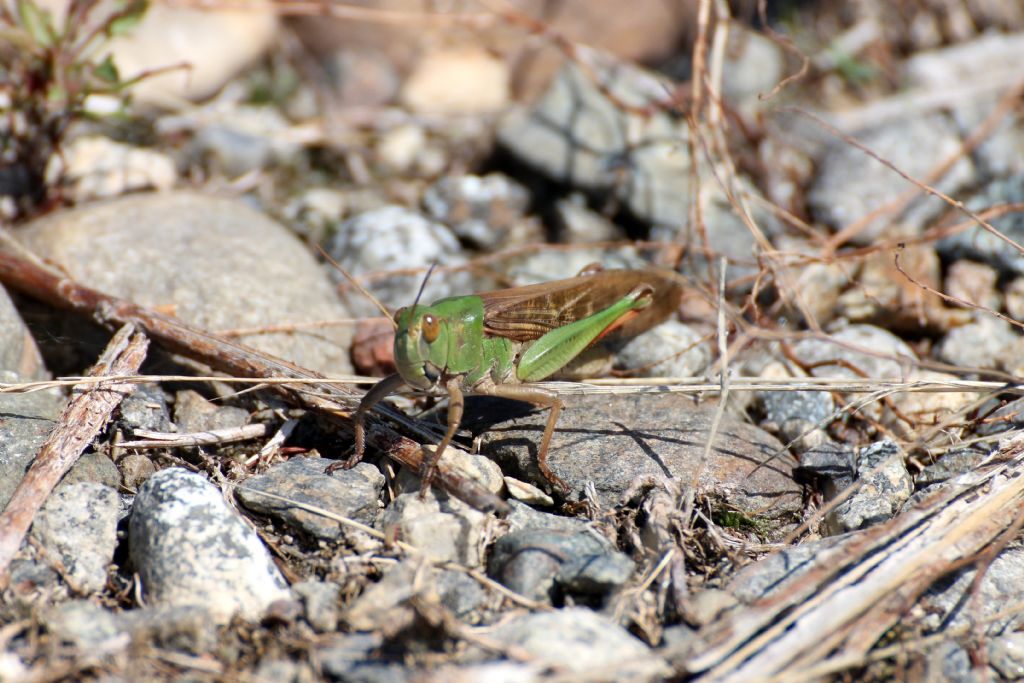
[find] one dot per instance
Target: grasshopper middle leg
(456, 405)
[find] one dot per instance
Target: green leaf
(37, 22)
(128, 18)
(107, 71)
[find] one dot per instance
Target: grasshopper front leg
(538, 396)
(375, 395)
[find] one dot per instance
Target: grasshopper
(501, 343)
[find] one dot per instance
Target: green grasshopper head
(421, 345)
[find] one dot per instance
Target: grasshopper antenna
(423, 285)
(355, 283)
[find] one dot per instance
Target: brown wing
(527, 313)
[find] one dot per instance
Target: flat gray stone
(613, 441)
(353, 493)
(204, 256)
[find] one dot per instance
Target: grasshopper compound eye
(431, 328)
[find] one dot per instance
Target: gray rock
(538, 562)
(578, 224)
(96, 167)
(353, 493)
(443, 532)
(525, 517)
(385, 601)
(850, 184)
(320, 603)
(201, 254)
(582, 641)
(951, 663)
(753, 65)
(1006, 655)
(870, 345)
(88, 627)
(543, 266)
(27, 418)
(135, 468)
(980, 245)
(987, 343)
(237, 139)
(614, 441)
(23, 430)
(831, 466)
(283, 671)
(459, 592)
(1003, 419)
(990, 58)
(782, 406)
(316, 211)
(726, 233)
(393, 238)
(758, 580)
(19, 355)
(179, 627)
(951, 464)
(578, 135)
(30, 577)
(78, 526)
(145, 408)
(882, 493)
(948, 606)
(1001, 153)
(189, 548)
(858, 352)
(193, 413)
(94, 467)
(488, 211)
(351, 661)
(671, 349)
